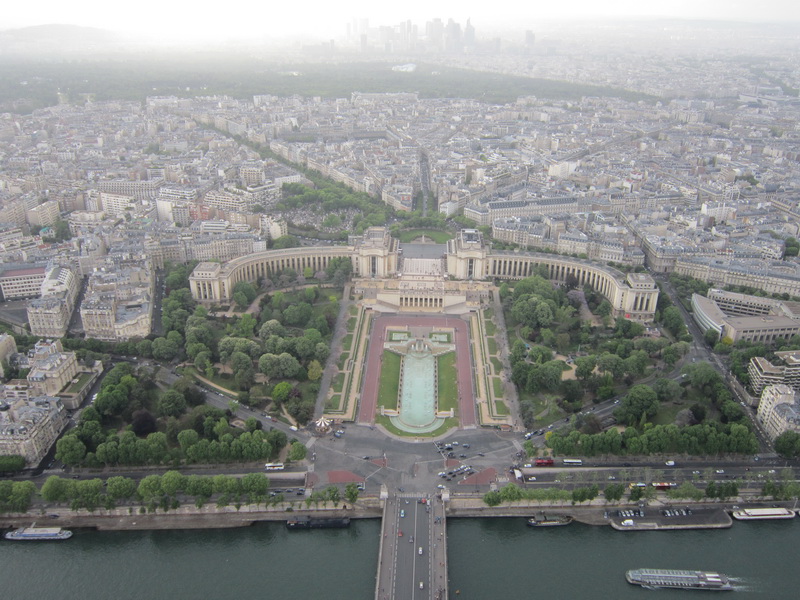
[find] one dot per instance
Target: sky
(230, 19)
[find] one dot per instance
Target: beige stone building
(378, 256)
(50, 314)
(23, 281)
(786, 371)
(118, 305)
(779, 410)
(8, 346)
(51, 369)
(29, 427)
(745, 317)
(43, 215)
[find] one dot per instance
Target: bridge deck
(413, 550)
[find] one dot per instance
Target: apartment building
(29, 427)
(44, 215)
(50, 314)
(786, 371)
(118, 304)
(8, 346)
(21, 281)
(779, 410)
(51, 369)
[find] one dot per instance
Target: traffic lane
(423, 541)
(221, 402)
(411, 567)
(404, 563)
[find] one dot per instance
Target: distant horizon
(170, 22)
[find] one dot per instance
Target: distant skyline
(240, 19)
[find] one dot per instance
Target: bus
(664, 485)
(573, 462)
(543, 462)
(637, 485)
(273, 467)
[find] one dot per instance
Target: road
(413, 555)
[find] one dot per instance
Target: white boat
(755, 514)
(38, 533)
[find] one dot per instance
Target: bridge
(412, 563)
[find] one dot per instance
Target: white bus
(273, 467)
(573, 462)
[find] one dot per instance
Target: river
(488, 558)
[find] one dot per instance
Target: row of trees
(125, 448)
(513, 493)
(11, 463)
(16, 496)
(169, 490)
(156, 491)
(702, 439)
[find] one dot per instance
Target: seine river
(488, 558)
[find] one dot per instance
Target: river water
(488, 558)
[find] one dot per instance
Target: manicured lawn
(491, 328)
(448, 388)
(488, 314)
(337, 383)
(385, 422)
(347, 341)
(491, 345)
(351, 324)
(83, 379)
(259, 391)
(498, 366)
(389, 382)
(342, 360)
(223, 381)
(333, 403)
(666, 413)
(440, 237)
(545, 405)
(500, 408)
(497, 387)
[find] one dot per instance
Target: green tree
(787, 444)
(332, 494)
(120, 488)
(614, 492)
(280, 393)
(351, 492)
(640, 402)
(56, 489)
(149, 489)
(70, 450)
(492, 498)
(11, 462)
(297, 452)
(171, 404)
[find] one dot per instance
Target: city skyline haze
(170, 21)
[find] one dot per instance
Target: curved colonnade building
(456, 281)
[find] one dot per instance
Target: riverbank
(702, 516)
(184, 517)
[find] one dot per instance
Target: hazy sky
(279, 18)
